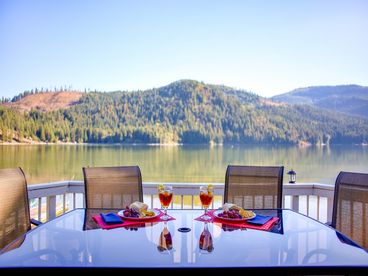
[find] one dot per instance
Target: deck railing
(52, 199)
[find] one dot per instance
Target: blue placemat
(259, 219)
(111, 218)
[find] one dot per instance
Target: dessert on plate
(233, 211)
(138, 210)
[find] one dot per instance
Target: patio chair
(254, 187)
(112, 187)
(14, 208)
(350, 209)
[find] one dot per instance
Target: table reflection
(205, 240)
(165, 240)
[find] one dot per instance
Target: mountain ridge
(350, 99)
(45, 101)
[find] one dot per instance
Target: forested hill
(350, 99)
(183, 112)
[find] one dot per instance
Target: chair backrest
(112, 187)
(14, 208)
(350, 209)
(254, 187)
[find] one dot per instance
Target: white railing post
(51, 207)
(329, 208)
(39, 211)
(295, 204)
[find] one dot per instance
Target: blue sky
(268, 47)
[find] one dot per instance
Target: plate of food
(138, 211)
(234, 213)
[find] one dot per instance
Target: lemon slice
(146, 213)
(161, 187)
(246, 213)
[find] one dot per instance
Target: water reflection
(200, 163)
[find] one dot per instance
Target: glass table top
(75, 240)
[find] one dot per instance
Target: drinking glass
(206, 196)
(165, 194)
(205, 240)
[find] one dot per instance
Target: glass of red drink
(206, 196)
(165, 194)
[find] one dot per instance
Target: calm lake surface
(198, 163)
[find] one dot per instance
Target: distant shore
(37, 143)
(76, 143)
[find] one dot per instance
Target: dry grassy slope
(47, 101)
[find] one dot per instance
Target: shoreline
(36, 143)
(33, 143)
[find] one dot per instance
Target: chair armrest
(35, 222)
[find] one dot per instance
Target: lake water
(198, 163)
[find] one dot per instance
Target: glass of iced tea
(206, 196)
(165, 193)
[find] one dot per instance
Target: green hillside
(183, 112)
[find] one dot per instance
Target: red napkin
(129, 223)
(243, 224)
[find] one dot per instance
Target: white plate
(219, 211)
(121, 213)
